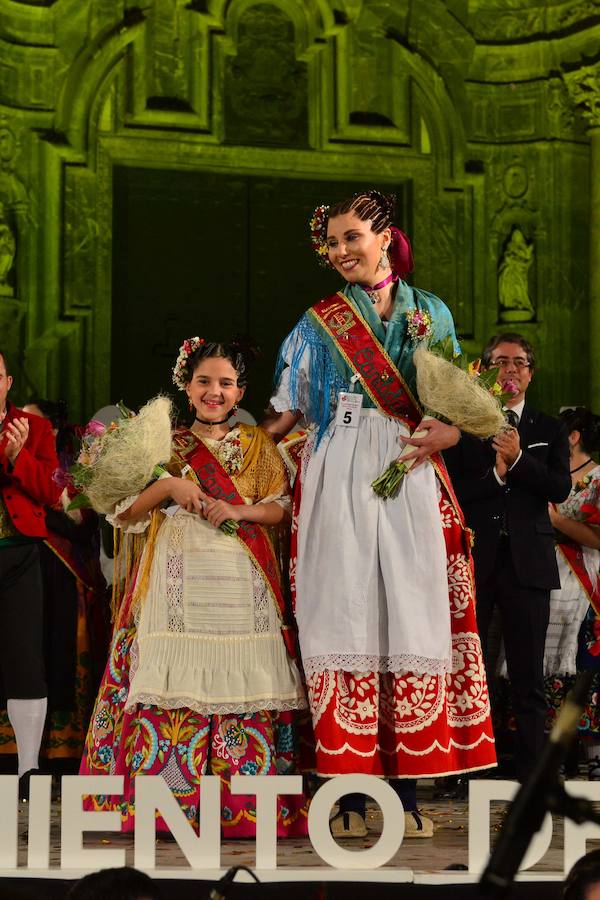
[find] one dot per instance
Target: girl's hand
(17, 433)
(188, 495)
(217, 511)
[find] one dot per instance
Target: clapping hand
(507, 445)
(16, 433)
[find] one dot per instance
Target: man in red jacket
(27, 465)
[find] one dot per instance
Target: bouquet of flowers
(451, 389)
(121, 459)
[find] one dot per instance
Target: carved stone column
(584, 88)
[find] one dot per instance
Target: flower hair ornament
(187, 349)
(318, 234)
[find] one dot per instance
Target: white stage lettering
(38, 840)
(9, 821)
(266, 791)
(577, 835)
(393, 822)
(152, 794)
(203, 852)
(74, 821)
(481, 794)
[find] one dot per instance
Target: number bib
(348, 410)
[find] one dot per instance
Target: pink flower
(95, 428)
(510, 388)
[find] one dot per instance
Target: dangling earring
(384, 260)
(235, 407)
(190, 404)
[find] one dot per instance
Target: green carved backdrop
(157, 162)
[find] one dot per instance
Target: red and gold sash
(379, 375)
(573, 556)
(365, 356)
(214, 481)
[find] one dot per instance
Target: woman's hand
(17, 433)
(439, 437)
(555, 516)
(188, 495)
(217, 511)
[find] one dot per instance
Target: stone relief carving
(266, 88)
(513, 279)
(584, 89)
(13, 206)
(578, 12)
(7, 253)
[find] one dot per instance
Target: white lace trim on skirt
(354, 662)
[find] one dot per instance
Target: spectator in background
(583, 881)
(76, 607)
(27, 464)
(115, 884)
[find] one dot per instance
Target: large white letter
(74, 821)
(38, 839)
(152, 794)
(391, 833)
(266, 788)
(9, 821)
(577, 835)
(481, 793)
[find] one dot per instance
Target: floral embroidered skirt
(408, 724)
(182, 745)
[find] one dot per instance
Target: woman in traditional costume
(199, 679)
(573, 637)
(384, 592)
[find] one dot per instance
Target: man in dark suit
(504, 487)
(27, 465)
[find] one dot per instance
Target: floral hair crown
(318, 234)
(187, 349)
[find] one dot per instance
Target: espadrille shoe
(348, 824)
(417, 825)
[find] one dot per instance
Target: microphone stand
(542, 792)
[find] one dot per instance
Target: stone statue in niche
(513, 279)
(7, 253)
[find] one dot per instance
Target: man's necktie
(512, 418)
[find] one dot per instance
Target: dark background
(212, 255)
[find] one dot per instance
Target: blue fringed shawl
(317, 375)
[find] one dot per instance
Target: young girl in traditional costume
(200, 680)
(384, 587)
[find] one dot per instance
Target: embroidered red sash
(573, 555)
(365, 356)
(379, 376)
(214, 481)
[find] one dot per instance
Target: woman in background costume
(384, 594)
(200, 679)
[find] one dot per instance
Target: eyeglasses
(503, 361)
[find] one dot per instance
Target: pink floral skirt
(182, 745)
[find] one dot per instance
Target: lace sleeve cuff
(135, 527)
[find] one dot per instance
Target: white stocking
(27, 718)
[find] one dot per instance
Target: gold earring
(190, 404)
(384, 260)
